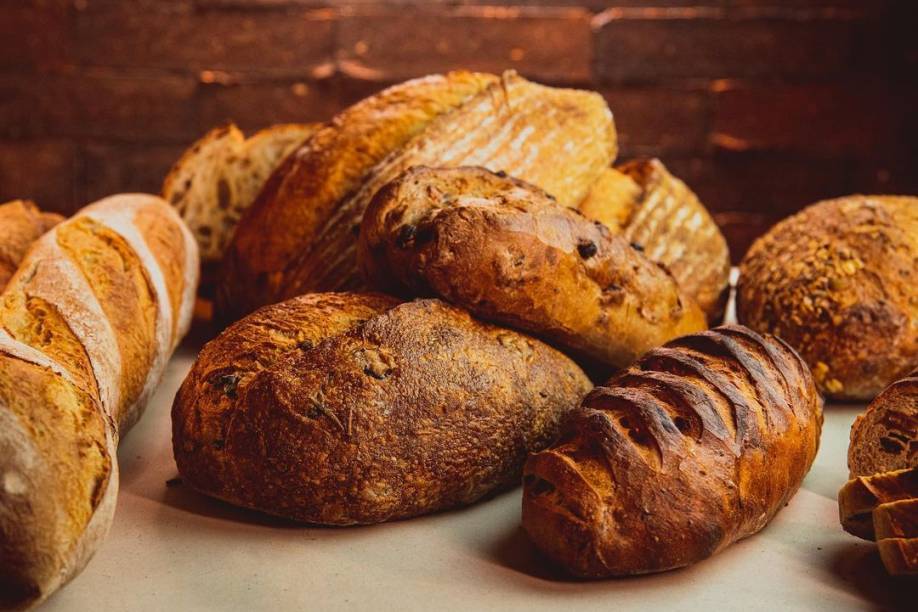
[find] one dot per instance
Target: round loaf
(347, 409)
(839, 282)
(697, 445)
(507, 252)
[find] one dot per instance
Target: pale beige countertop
(172, 549)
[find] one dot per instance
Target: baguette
(838, 282)
(87, 324)
(21, 223)
(860, 496)
(216, 180)
(697, 445)
(885, 437)
(508, 252)
(345, 409)
(305, 190)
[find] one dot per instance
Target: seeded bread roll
(87, 324)
(885, 437)
(508, 252)
(659, 214)
(21, 224)
(697, 445)
(346, 409)
(839, 282)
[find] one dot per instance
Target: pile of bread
(422, 293)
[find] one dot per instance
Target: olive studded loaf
(87, 324)
(347, 409)
(885, 437)
(839, 282)
(508, 252)
(697, 445)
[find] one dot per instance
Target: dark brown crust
(382, 412)
(697, 445)
(885, 437)
(838, 282)
(21, 223)
(507, 252)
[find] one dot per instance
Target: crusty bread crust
(660, 215)
(86, 326)
(21, 223)
(897, 519)
(885, 437)
(350, 409)
(838, 282)
(899, 555)
(508, 252)
(697, 445)
(861, 495)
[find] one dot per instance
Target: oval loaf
(697, 445)
(839, 282)
(506, 251)
(350, 409)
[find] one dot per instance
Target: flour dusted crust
(98, 302)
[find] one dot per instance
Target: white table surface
(173, 549)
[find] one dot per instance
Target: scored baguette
(659, 214)
(508, 252)
(87, 324)
(21, 223)
(348, 409)
(697, 445)
(216, 180)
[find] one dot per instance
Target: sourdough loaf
(346, 409)
(508, 252)
(885, 437)
(839, 282)
(697, 445)
(87, 324)
(21, 223)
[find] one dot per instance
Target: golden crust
(839, 282)
(506, 251)
(659, 214)
(379, 411)
(697, 445)
(861, 495)
(304, 191)
(899, 555)
(21, 223)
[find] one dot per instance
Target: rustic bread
(838, 281)
(860, 496)
(697, 445)
(899, 555)
(660, 215)
(305, 190)
(21, 223)
(347, 409)
(508, 252)
(219, 176)
(87, 324)
(897, 519)
(885, 437)
(559, 139)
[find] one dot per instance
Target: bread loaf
(661, 216)
(304, 191)
(839, 282)
(344, 409)
(885, 437)
(216, 180)
(508, 252)
(697, 445)
(896, 527)
(558, 139)
(861, 495)
(86, 326)
(21, 223)
(899, 555)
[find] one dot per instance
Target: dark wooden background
(762, 106)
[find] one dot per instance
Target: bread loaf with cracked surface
(697, 445)
(508, 252)
(345, 409)
(87, 324)
(839, 282)
(21, 224)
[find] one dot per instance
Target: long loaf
(87, 324)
